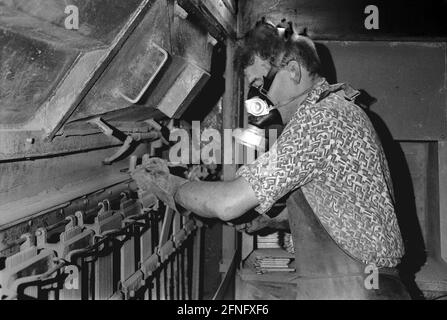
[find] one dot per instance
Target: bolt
(30, 140)
(211, 40)
(180, 12)
(132, 163)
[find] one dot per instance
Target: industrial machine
(88, 90)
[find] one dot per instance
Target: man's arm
(225, 200)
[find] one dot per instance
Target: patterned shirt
(331, 151)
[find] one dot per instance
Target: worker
(330, 163)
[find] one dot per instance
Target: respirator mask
(262, 115)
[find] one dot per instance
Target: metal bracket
(132, 285)
(149, 266)
(127, 140)
(179, 11)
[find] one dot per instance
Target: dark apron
(324, 270)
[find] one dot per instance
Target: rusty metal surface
(190, 41)
(99, 19)
(181, 79)
(181, 93)
(29, 71)
(144, 68)
(29, 187)
(75, 138)
(84, 68)
(215, 16)
(105, 95)
(47, 71)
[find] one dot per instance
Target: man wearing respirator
(328, 160)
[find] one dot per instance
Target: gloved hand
(154, 176)
(259, 222)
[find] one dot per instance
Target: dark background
(344, 19)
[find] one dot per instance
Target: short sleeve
(297, 157)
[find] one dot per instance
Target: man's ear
(295, 71)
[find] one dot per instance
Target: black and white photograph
(226, 157)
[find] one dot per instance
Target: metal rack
(142, 250)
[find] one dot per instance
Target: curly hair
(265, 41)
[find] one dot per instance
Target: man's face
(279, 80)
(256, 72)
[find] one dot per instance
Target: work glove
(260, 222)
(154, 176)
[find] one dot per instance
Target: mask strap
(263, 91)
